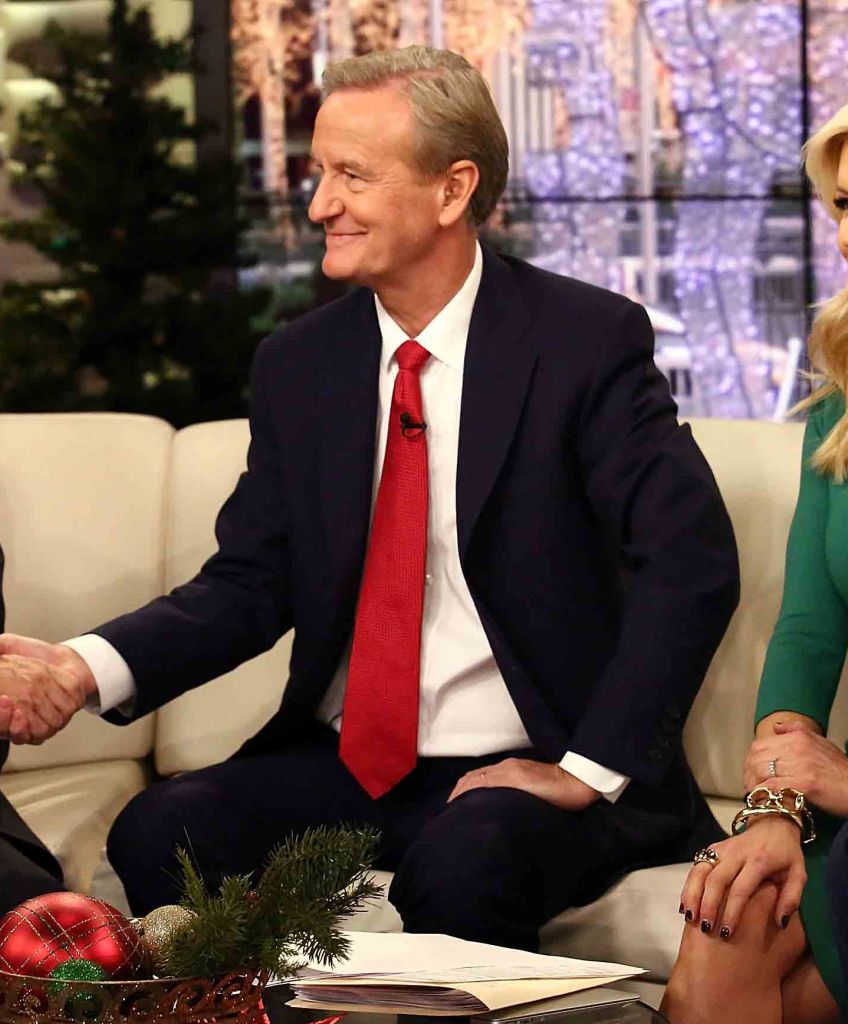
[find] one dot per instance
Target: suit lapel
(499, 363)
(348, 423)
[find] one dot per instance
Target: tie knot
(411, 356)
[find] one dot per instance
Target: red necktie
(379, 740)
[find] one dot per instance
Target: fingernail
(724, 933)
(688, 915)
(784, 921)
(680, 909)
(706, 927)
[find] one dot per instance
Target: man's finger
(7, 706)
(27, 647)
(53, 703)
(19, 726)
(477, 779)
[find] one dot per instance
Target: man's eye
(351, 176)
(841, 203)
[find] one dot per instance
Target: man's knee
(465, 874)
(153, 824)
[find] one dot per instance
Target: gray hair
(455, 117)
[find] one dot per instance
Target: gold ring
(706, 856)
(772, 767)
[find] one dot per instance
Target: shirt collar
(446, 335)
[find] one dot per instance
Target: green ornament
(78, 969)
(80, 1005)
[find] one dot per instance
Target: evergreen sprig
(292, 912)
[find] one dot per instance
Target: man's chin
(339, 269)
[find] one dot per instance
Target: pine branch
(292, 913)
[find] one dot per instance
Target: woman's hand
(804, 761)
(769, 849)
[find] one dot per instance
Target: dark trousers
(492, 866)
(27, 868)
(25, 871)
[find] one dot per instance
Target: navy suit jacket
(591, 532)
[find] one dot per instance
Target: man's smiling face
(380, 214)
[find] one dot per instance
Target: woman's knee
(758, 953)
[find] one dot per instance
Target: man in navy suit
(27, 867)
(506, 565)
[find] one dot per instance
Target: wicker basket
(234, 998)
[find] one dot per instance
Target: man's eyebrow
(354, 165)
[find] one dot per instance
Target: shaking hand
(42, 686)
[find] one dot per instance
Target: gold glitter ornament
(157, 930)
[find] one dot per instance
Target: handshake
(42, 686)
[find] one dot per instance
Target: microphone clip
(411, 428)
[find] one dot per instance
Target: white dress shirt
(464, 706)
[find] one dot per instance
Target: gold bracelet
(762, 800)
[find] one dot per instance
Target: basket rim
(252, 972)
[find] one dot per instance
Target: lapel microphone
(410, 427)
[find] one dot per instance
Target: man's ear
(461, 179)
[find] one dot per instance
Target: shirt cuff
(608, 783)
(114, 679)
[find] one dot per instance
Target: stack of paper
(441, 975)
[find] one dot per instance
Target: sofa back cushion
(757, 465)
(82, 525)
(208, 724)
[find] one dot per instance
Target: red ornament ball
(46, 931)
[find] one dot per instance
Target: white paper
(439, 959)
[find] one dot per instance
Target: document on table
(439, 974)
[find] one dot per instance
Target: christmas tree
(141, 314)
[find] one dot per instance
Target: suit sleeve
(239, 604)
(656, 498)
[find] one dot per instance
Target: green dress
(807, 652)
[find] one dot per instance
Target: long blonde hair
(828, 343)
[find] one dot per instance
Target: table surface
(616, 1013)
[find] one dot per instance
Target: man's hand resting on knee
(547, 781)
(42, 686)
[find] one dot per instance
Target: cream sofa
(101, 512)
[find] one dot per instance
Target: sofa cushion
(82, 500)
(72, 808)
(757, 465)
(207, 725)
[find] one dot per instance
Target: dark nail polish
(680, 909)
(706, 927)
(724, 933)
(688, 915)
(784, 921)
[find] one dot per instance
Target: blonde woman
(746, 954)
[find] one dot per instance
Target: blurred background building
(654, 150)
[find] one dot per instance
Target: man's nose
(325, 203)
